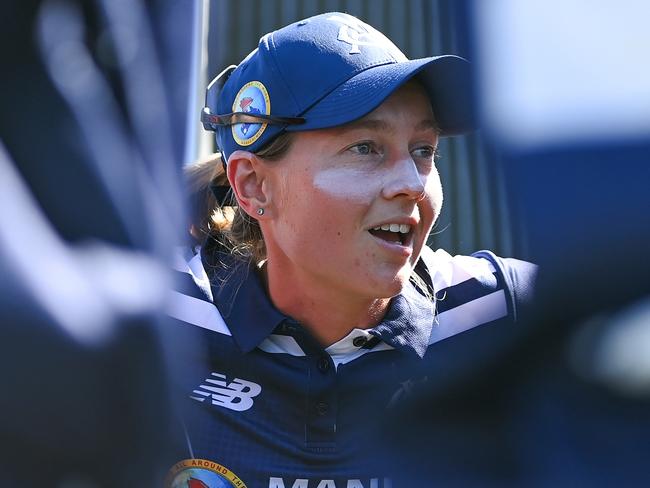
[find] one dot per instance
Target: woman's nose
(404, 179)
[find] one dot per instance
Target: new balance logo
(236, 395)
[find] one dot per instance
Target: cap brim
(447, 80)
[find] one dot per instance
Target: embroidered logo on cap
(201, 473)
(356, 33)
(252, 99)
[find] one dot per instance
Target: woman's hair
(199, 177)
(224, 224)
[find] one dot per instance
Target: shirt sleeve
(518, 279)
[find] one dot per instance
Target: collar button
(359, 341)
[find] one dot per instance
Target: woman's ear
(246, 174)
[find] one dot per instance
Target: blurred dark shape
(91, 208)
(563, 399)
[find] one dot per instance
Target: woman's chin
(390, 285)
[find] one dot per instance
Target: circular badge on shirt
(201, 473)
(251, 99)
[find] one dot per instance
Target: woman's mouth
(397, 233)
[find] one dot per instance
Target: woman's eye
(428, 152)
(364, 148)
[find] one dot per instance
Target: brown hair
(226, 224)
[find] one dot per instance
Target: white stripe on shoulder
(180, 258)
(451, 270)
(186, 261)
(281, 344)
(469, 315)
(196, 312)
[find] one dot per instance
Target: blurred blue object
(565, 399)
(92, 207)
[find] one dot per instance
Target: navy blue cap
(326, 71)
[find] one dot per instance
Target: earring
(260, 211)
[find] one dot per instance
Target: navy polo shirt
(262, 404)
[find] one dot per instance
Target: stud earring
(260, 211)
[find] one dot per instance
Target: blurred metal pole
(198, 143)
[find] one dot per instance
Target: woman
(320, 305)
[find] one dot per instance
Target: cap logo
(253, 98)
(355, 33)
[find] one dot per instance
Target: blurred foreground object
(91, 209)
(566, 401)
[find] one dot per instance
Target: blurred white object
(556, 71)
(198, 143)
(615, 350)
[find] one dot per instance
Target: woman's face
(353, 205)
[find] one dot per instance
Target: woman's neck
(327, 310)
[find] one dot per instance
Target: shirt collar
(241, 298)
(407, 325)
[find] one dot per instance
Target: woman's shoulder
(191, 300)
(462, 278)
(188, 266)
